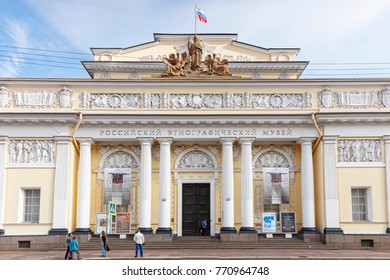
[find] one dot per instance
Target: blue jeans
(103, 250)
(140, 250)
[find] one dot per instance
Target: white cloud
(17, 34)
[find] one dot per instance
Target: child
(74, 248)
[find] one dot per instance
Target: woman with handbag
(103, 238)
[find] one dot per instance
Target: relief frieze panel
(359, 150)
(31, 152)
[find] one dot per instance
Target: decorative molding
(196, 101)
(31, 152)
(281, 101)
(326, 98)
(196, 159)
(34, 99)
(384, 97)
(357, 99)
(359, 150)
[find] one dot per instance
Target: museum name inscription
(195, 132)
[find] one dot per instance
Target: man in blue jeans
(139, 240)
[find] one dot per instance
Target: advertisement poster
(287, 220)
(269, 222)
(117, 187)
(123, 223)
(276, 185)
(101, 220)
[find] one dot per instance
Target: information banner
(101, 223)
(269, 222)
(123, 223)
(288, 224)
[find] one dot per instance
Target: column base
(164, 231)
(81, 231)
(146, 230)
(228, 230)
(310, 234)
(309, 230)
(58, 231)
(387, 231)
(2, 232)
(248, 230)
(333, 231)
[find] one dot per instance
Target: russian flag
(200, 15)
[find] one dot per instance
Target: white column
(62, 185)
(3, 143)
(164, 215)
(145, 188)
(227, 186)
(387, 158)
(307, 186)
(247, 225)
(84, 186)
(332, 221)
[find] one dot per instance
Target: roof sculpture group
(184, 63)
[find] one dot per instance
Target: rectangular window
(359, 204)
(32, 199)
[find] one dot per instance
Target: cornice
(38, 118)
(285, 120)
(354, 118)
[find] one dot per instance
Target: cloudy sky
(48, 38)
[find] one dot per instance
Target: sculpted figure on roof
(176, 65)
(195, 50)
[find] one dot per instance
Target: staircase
(204, 242)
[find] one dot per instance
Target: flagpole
(195, 19)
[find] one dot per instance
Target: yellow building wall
(19, 179)
(363, 177)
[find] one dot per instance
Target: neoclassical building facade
(243, 143)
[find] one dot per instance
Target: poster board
(101, 220)
(123, 223)
(269, 222)
(288, 222)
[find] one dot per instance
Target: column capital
(306, 140)
(163, 140)
(386, 138)
(227, 140)
(3, 139)
(63, 139)
(246, 140)
(330, 139)
(86, 140)
(145, 140)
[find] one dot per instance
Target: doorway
(195, 207)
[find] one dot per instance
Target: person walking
(103, 238)
(74, 248)
(203, 227)
(139, 240)
(68, 252)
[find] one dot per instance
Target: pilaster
(3, 144)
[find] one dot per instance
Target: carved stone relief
(281, 101)
(114, 101)
(196, 159)
(384, 97)
(356, 99)
(120, 159)
(31, 151)
(326, 98)
(34, 99)
(196, 101)
(272, 159)
(359, 150)
(4, 97)
(65, 98)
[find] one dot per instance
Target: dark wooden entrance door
(196, 207)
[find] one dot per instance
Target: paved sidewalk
(223, 254)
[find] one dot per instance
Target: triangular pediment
(225, 45)
(147, 60)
